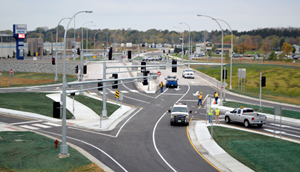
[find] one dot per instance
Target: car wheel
(227, 119)
(171, 123)
(259, 125)
(246, 123)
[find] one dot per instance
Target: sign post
(20, 33)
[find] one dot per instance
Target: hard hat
(216, 107)
(200, 92)
(210, 107)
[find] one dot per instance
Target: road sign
(11, 71)
(158, 73)
(224, 84)
(0, 74)
(117, 94)
(222, 87)
(98, 54)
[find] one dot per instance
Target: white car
(188, 73)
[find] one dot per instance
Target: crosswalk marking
(29, 127)
(41, 125)
(52, 124)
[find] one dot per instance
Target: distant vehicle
(180, 114)
(256, 56)
(171, 81)
(296, 57)
(246, 116)
(188, 73)
(148, 58)
(249, 55)
(238, 55)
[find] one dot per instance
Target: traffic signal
(143, 68)
(110, 54)
(53, 61)
(76, 69)
(224, 74)
(164, 51)
(115, 84)
(263, 81)
(145, 81)
(84, 69)
(174, 68)
(73, 94)
(100, 84)
(56, 109)
(129, 55)
(78, 51)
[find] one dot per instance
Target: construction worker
(161, 85)
(216, 97)
(200, 99)
(210, 115)
(217, 113)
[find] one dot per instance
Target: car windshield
(180, 109)
(248, 110)
(189, 70)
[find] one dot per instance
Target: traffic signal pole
(104, 112)
(260, 93)
(81, 70)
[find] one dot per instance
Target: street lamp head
(199, 15)
(89, 11)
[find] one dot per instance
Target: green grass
(37, 153)
(286, 113)
(29, 79)
(282, 81)
(253, 52)
(96, 105)
(29, 102)
(258, 152)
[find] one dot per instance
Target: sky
(241, 15)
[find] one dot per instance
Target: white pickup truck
(246, 116)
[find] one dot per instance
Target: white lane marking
(28, 127)
(92, 132)
(184, 94)
(91, 146)
(52, 124)
(153, 138)
(285, 126)
(91, 93)
(101, 92)
(112, 92)
(190, 100)
(124, 91)
(136, 99)
(127, 121)
(41, 125)
(171, 94)
(25, 122)
(134, 91)
(161, 93)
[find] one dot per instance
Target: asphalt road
(145, 141)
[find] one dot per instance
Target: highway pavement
(145, 140)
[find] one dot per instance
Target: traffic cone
(215, 102)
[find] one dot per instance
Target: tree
(257, 42)
(286, 48)
(213, 49)
(248, 42)
(242, 48)
(266, 48)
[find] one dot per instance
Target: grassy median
(282, 81)
(27, 151)
(285, 113)
(22, 79)
(258, 152)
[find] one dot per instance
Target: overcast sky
(242, 15)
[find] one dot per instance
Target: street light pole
(189, 43)
(82, 33)
(181, 44)
(221, 96)
(87, 39)
(230, 87)
(95, 37)
(56, 77)
(64, 147)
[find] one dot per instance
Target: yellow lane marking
(202, 103)
(187, 132)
